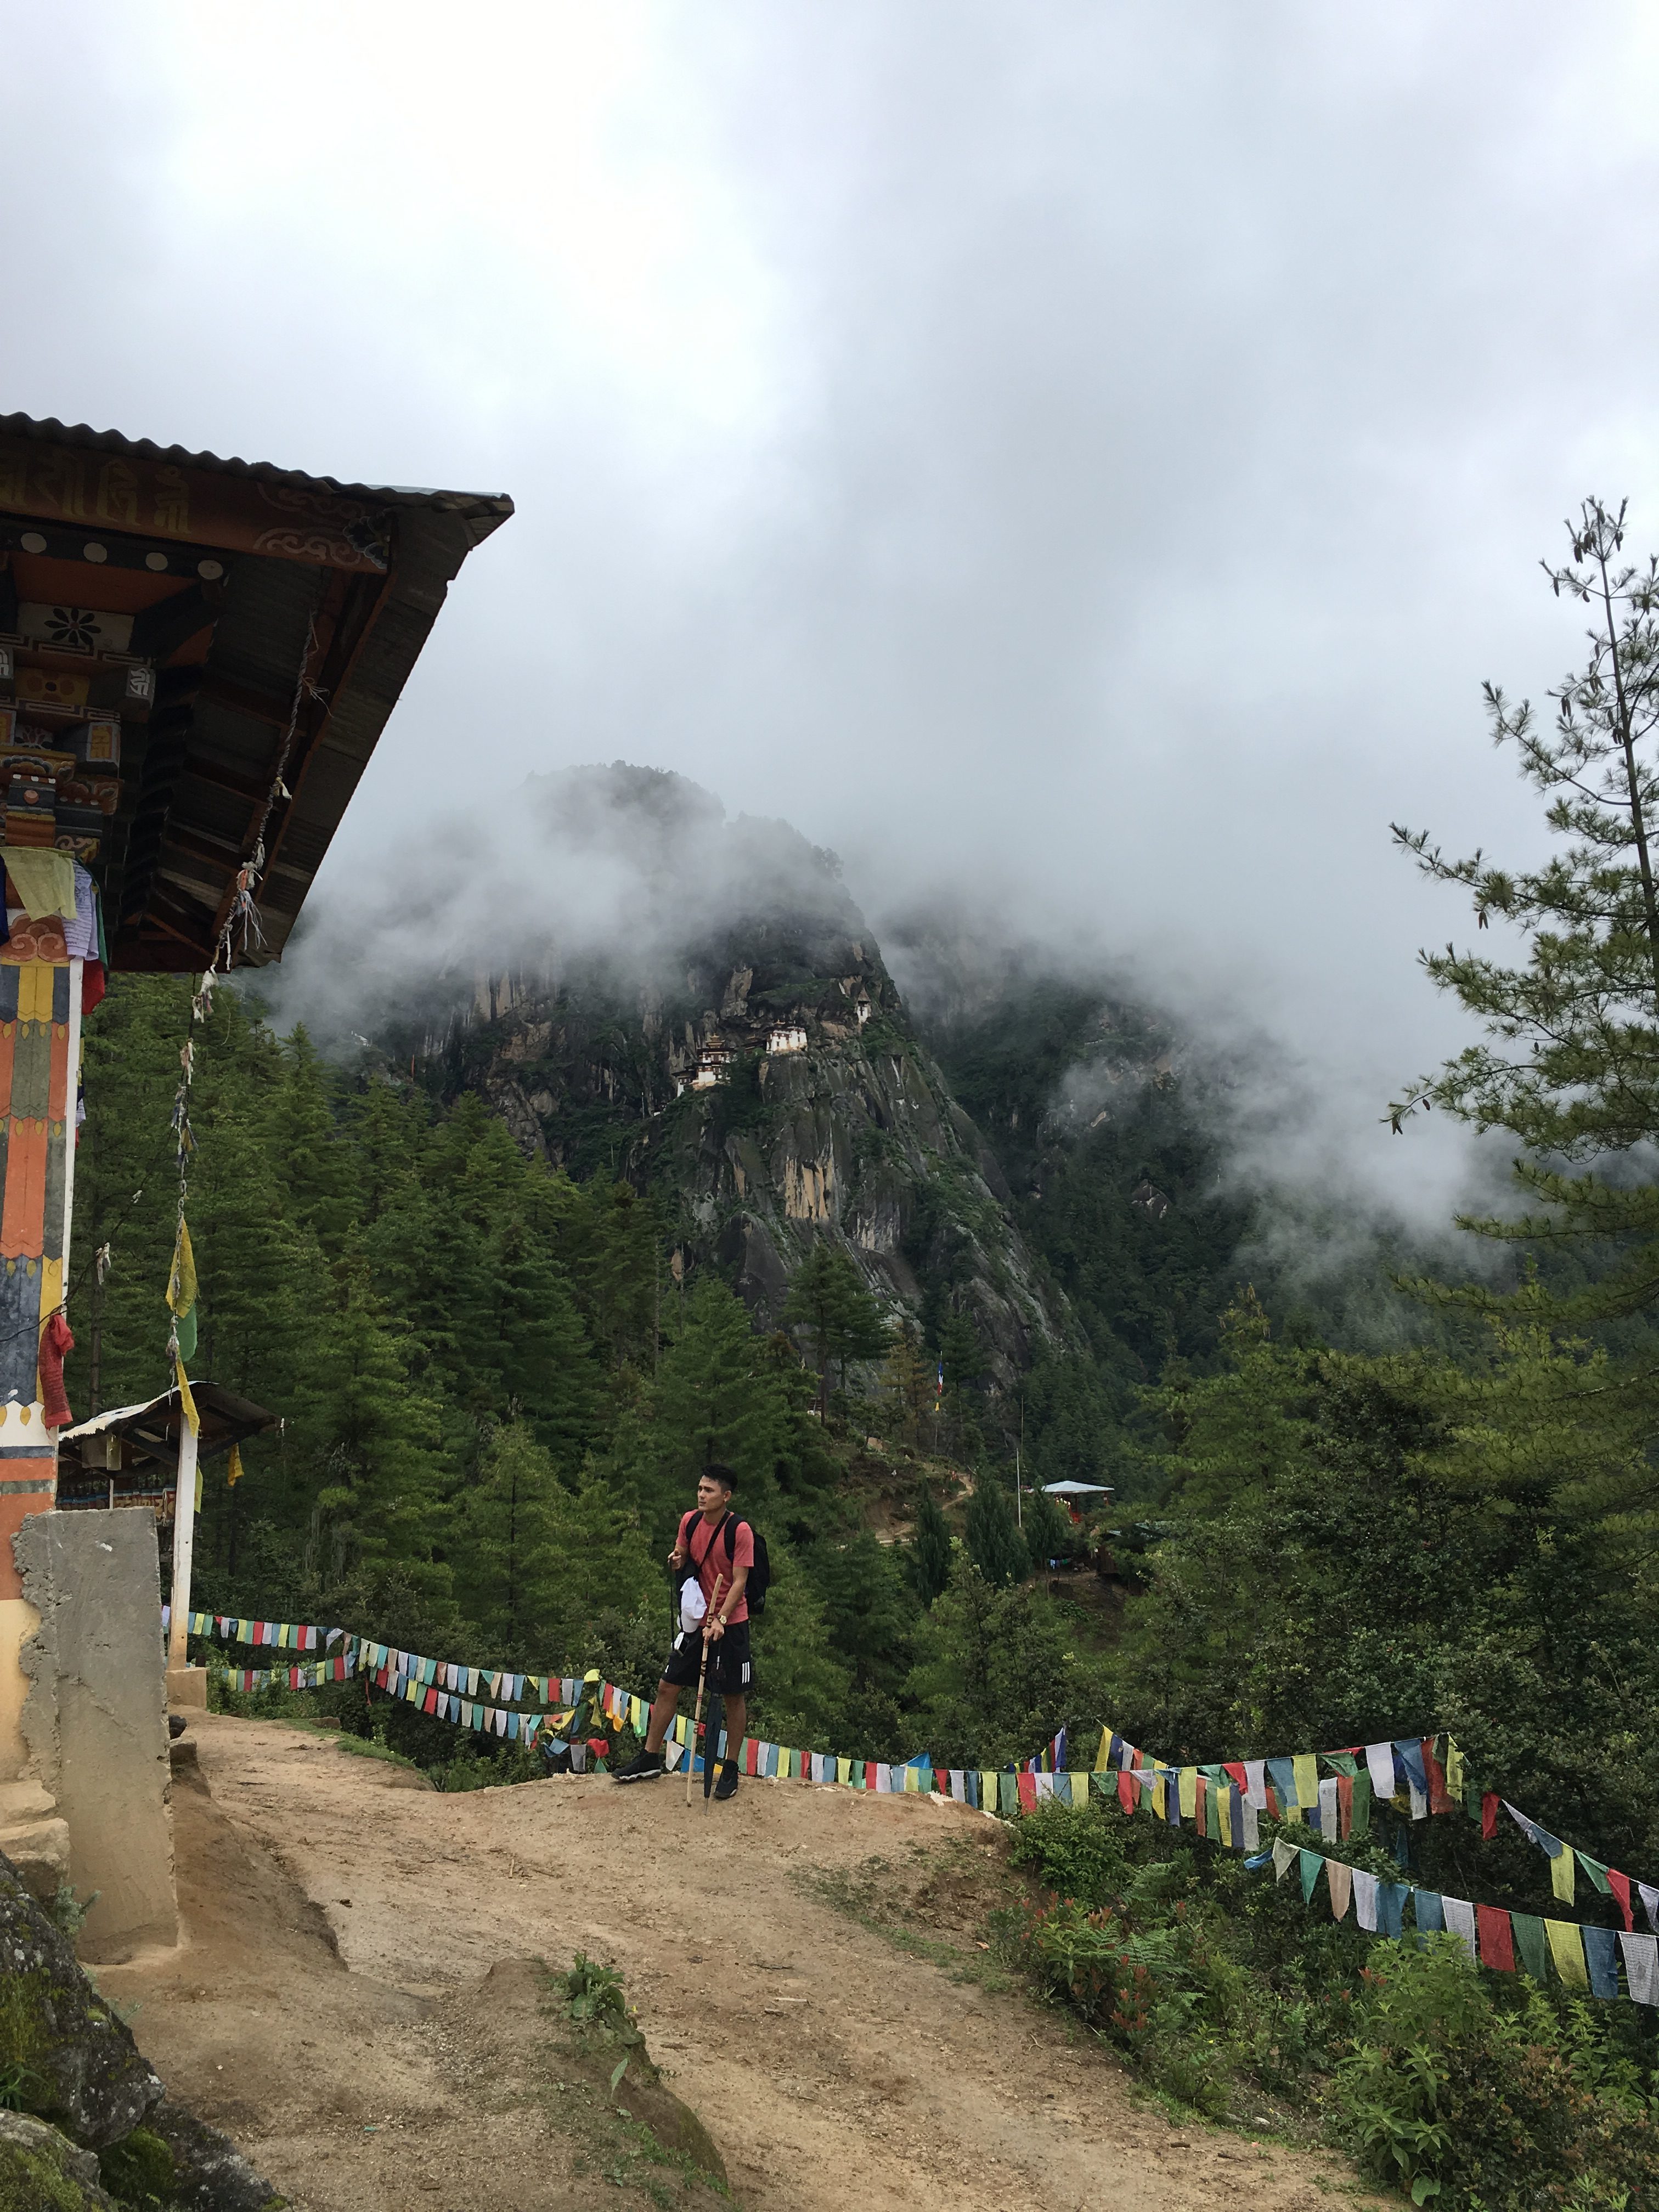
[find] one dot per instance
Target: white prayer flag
(1642, 1967)
(1460, 1920)
(1379, 1763)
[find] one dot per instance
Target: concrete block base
(187, 1689)
(94, 1720)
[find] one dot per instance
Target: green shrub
(1478, 2107)
(1072, 1851)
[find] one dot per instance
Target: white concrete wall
(95, 1716)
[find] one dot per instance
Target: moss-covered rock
(139, 2170)
(67, 2058)
(210, 2173)
(41, 2170)
(71, 2060)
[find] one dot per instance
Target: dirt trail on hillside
(329, 2009)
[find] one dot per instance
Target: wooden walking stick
(702, 1677)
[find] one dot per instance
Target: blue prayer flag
(1602, 1957)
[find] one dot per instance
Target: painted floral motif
(73, 629)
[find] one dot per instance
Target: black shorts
(729, 1668)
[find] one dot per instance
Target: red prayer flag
(429, 1703)
(1490, 1801)
(1345, 1804)
(1027, 1791)
(1235, 1768)
(1439, 1800)
(1126, 1790)
(869, 1773)
(1619, 1884)
(1273, 1802)
(1496, 1938)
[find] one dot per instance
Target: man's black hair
(719, 1473)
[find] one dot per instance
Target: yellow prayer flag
(1161, 1798)
(1223, 1806)
(1567, 1949)
(1304, 1768)
(1103, 1756)
(1189, 1788)
(1563, 1867)
(1455, 1777)
(233, 1468)
(189, 1404)
(987, 1789)
(843, 1770)
(181, 1278)
(1295, 1812)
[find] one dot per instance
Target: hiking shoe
(644, 1766)
(728, 1784)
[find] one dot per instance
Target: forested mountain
(760, 1079)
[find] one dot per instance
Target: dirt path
(330, 2008)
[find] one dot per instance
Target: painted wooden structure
(198, 657)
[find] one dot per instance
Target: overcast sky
(1085, 457)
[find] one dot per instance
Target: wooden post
(183, 1539)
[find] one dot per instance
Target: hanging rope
(181, 1280)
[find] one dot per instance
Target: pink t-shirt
(706, 1553)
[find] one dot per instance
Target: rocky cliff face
(767, 1085)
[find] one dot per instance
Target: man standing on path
(717, 1548)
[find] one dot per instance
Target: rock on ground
(73, 2062)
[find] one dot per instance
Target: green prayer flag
(1362, 1804)
(1008, 1791)
(1313, 1866)
(1530, 1942)
(184, 1328)
(1342, 1762)
(1211, 1814)
(1597, 1873)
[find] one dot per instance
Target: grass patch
(939, 1902)
(606, 2096)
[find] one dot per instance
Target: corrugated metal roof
(493, 507)
(224, 1408)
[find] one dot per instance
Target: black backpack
(760, 1574)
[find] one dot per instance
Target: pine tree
(829, 1304)
(716, 1400)
(908, 1386)
(1572, 1071)
(536, 1563)
(313, 1162)
(503, 1543)
(542, 1357)
(372, 1442)
(1047, 1531)
(994, 1543)
(994, 1677)
(930, 1548)
(1239, 1430)
(804, 1682)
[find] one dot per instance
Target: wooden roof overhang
(232, 617)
